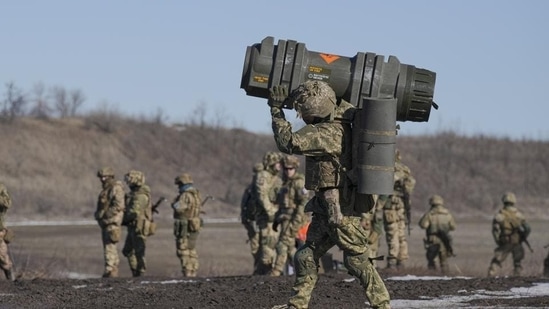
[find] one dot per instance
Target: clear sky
(139, 56)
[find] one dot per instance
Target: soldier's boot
(517, 270)
(400, 264)
(136, 273)
(113, 273)
(275, 273)
(546, 267)
(492, 270)
(9, 275)
(391, 263)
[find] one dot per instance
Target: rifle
(407, 209)
(208, 197)
(157, 204)
(524, 239)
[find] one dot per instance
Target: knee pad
(356, 264)
(304, 261)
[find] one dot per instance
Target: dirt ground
(332, 291)
(49, 258)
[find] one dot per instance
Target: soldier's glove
(334, 213)
(278, 95)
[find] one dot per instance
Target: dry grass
(64, 251)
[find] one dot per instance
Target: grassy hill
(50, 165)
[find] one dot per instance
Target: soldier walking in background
(325, 142)
(109, 214)
(187, 223)
(6, 235)
(267, 184)
(510, 230)
(437, 223)
(396, 214)
(138, 219)
(290, 217)
(248, 206)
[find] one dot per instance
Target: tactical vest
(439, 221)
(192, 200)
(289, 195)
(510, 227)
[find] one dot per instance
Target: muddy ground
(332, 291)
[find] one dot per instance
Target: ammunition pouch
(113, 233)
(195, 224)
(8, 235)
(390, 216)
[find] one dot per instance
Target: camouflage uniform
(290, 216)
(437, 223)
(109, 214)
(267, 184)
(187, 224)
(5, 235)
(326, 144)
(394, 215)
(248, 206)
(137, 218)
(374, 229)
(509, 229)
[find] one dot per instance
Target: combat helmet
(436, 200)
(183, 179)
(270, 159)
(313, 99)
(290, 161)
(135, 178)
(105, 172)
(509, 198)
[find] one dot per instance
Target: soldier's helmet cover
(314, 98)
(105, 172)
(270, 159)
(183, 179)
(290, 161)
(135, 178)
(509, 198)
(436, 200)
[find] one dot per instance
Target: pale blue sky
(490, 56)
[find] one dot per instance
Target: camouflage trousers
(434, 250)
(253, 240)
(285, 248)
(501, 253)
(267, 247)
(185, 246)
(350, 237)
(395, 235)
(5, 261)
(110, 236)
(134, 250)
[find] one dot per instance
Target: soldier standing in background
(396, 214)
(325, 142)
(437, 223)
(187, 223)
(290, 217)
(137, 218)
(109, 214)
(267, 183)
(510, 230)
(374, 229)
(6, 235)
(248, 206)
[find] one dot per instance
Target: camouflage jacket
(326, 147)
(110, 203)
(266, 187)
(509, 226)
(5, 204)
(187, 204)
(437, 220)
(292, 198)
(138, 205)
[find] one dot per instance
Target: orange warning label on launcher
(329, 58)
